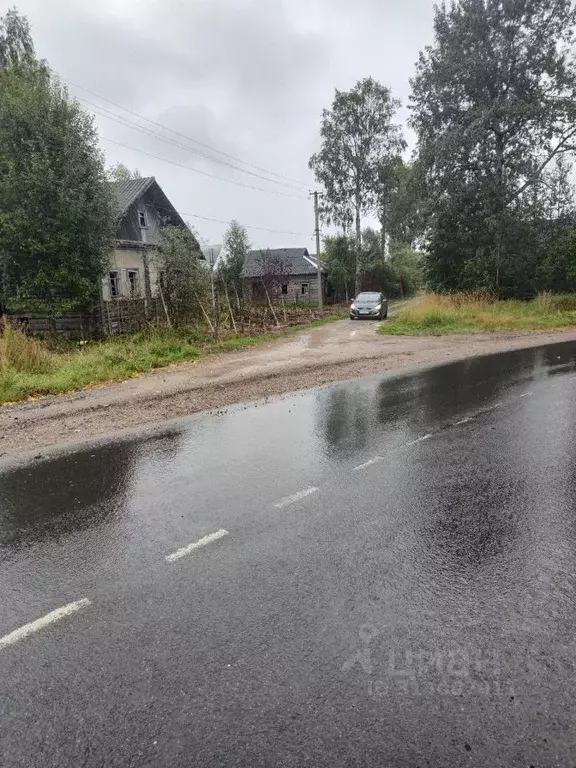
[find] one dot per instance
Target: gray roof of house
(297, 260)
(130, 190)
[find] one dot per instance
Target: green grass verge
(435, 315)
(123, 358)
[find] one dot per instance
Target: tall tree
(358, 135)
(236, 246)
(494, 103)
(16, 45)
(57, 214)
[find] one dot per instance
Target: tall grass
(20, 352)
(436, 314)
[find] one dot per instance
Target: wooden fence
(107, 318)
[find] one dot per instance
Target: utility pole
(214, 307)
(317, 232)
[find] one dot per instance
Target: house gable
(145, 209)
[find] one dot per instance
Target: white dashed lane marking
(295, 497)
(369, 463)
(419, 440)
(45, 621)
(180, 553)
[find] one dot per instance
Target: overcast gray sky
(248, 77)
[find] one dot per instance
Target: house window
(285, 290)
(142, 219)
(304, 289)
(133, 281)
(114, 282)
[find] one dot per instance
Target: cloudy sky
(246, 77)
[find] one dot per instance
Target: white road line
(180, 553)
(527, 394)
(463, 421)
(369, 463)
(295, 497)
(419, 440)
(36, 626)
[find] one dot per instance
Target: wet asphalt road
(417, 610)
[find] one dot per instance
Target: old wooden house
(134, 263)
(288, 274)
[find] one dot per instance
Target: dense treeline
(488, 199)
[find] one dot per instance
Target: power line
(247, 226)
(154, 134)
(182, 135)
(204, 173)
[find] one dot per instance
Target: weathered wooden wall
(252, 289)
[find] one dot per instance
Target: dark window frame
(114, 283)
(133, 284)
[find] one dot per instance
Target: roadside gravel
(335, 352)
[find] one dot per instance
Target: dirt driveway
(341, 350)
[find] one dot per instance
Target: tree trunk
(383, 224)
(271, 307)
(359, 265)
(229, 305)
(165, 308)
(206, 316)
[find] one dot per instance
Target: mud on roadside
(336, 352)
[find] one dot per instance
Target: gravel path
(341, 350)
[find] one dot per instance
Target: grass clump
(435, 314)
(20, 352)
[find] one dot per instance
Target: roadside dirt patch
(335, 352)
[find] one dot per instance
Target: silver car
(372, 306)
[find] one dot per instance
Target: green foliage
(236, 247)
(57, 215)
(358, 139)
(403, 219)
(407, 265)
(340, 256)
(121, 172)
(16, 46)
(185, 278)
(494, 107)
(398, 276)
(557, 272)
